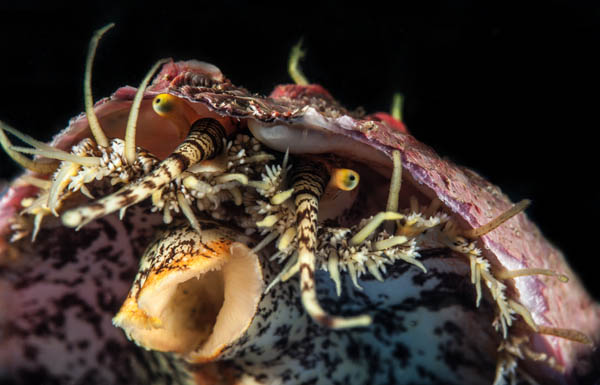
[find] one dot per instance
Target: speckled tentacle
(204, 141)
(309, 181)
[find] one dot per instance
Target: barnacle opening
(193, 304)
(187, 310)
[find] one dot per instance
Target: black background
(506, 88)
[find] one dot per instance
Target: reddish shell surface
(473, 200)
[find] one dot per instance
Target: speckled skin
(426, 329)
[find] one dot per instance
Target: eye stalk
(176, 110)
(344, 179)
(164, 104)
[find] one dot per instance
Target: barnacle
(197, 297)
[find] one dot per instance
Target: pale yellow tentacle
(294, 65)
(95, 127)
(134, 112)
(35, 166)
(493, 224)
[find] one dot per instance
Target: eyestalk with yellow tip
(309, 183)
(176, 110)
(344, 179)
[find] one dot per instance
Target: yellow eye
(345, 179)
(165, 104)
(177, 110)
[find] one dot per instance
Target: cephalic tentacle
(134, 112)
(99, 135)
(294, 65)
(309, 181)
(204, 141)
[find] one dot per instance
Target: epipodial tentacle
(499, 220)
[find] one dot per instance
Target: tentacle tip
(294, 70)
(72, 218)
(524, 203)
(563, 278)
(102, 30)
(396, 110)
(355, 322)
(569, 334)
(364, 321)
(338, 323)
